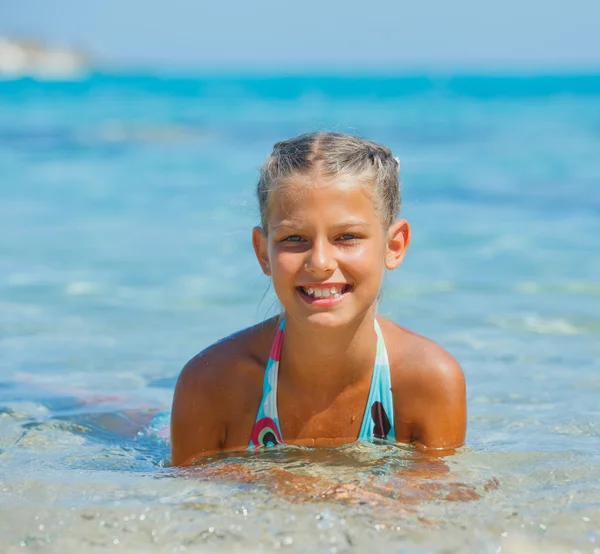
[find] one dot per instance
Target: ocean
(126, 206)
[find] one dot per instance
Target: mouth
(324, 295)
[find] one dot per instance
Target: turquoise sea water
(126, 204)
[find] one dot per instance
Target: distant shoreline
(31, 58)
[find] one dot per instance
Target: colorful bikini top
(378, 419)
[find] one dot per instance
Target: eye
(348, 237)
(292, 238)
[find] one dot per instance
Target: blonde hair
(332, 155)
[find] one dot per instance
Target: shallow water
(126, 204)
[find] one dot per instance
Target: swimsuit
(378, 419)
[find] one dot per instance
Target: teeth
(323, 292)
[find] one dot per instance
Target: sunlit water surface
(126, 204)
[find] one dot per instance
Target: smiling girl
(328, 370)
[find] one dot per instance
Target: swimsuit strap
(378, 419)
(266, 430)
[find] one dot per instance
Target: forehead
(302, 200)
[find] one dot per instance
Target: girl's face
(326, 250)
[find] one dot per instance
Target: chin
(331, 319)
(328, 320)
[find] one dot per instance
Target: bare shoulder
(216, 387)
(429, 388)
(234, 356)
(413, 356)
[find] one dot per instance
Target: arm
(197, 426)
(441, 409)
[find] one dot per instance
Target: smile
(324, 295)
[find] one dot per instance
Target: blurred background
(131, 134)
(325, 36)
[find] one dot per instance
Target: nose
(321, 258)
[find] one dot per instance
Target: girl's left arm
(440, 420)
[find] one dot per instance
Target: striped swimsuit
(378, 419)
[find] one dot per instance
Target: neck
(325, 359)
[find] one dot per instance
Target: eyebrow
(343, 225)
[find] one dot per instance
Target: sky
(319, 34)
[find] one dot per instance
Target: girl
(327, 371)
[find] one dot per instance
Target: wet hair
(332, 155)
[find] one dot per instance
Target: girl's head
(332, 156)
(328, 206)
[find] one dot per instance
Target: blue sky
(384, 34)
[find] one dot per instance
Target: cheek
(285, 263)
(365, 258)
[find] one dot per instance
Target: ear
(398, 239)
(259, 242)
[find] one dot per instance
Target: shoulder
(417, 357)
(215, 387)
(428, 384)
(235, 355)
